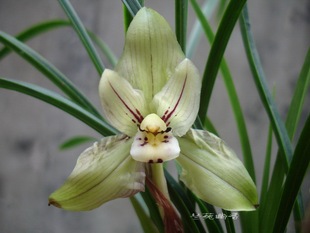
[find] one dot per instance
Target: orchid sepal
(103, 172)
(212, 171)
(151, 53)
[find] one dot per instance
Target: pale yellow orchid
(152, 98)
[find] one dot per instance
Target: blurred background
(32, 166)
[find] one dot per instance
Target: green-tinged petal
(214, 173)
(151, 53)
(123, 106)
(178, 102)
(103, 172)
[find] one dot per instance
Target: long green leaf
(195, 34)
(264, 92)
(295, 175)
(145, 221)
(130, 10)
(230, 226)
(75, 141)
(300, 92)
(268, 211)
(232, 93)
(105, 49)
(212, 224)
(61, 103)
(183, 204)
(181, 22)
(50, 71)
(49, 25)
(153, 208)
(269, 208)
(83, 35)
(218, 47)
(266, 173)
(34, 31)
(133, 6)
(293, 116)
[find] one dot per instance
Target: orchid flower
(152, 99)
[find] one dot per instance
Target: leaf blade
(62, 103)
(83, 35)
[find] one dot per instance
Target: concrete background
(31, 164)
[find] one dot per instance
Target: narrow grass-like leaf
(218, 47)
(34, 31)
(213, 225)
(263, 90)
(266, 173)
(221, 8)
(233, 97)
(293, 117)
(59, 102)
(50, 71)
(145, 221)
(295, 175)
(75, 141)
(300, 92)
(184, 205)
(181, 22)
(153, 208)
(269, 209)
(128, 16)
(230, 226)
(105, 49)
(210, 127)
(49, 25)
(301, 89)
(83, 35)
(195, 34)
(266, 210)
(133, 6)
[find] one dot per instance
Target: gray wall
(31, 164)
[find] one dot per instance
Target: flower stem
(159, 179)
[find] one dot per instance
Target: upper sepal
(151, 53)
(103, 172)
(214, 173)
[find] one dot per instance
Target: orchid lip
(154, 141)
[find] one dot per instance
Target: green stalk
(159, 179)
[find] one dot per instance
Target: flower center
(154, 141)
